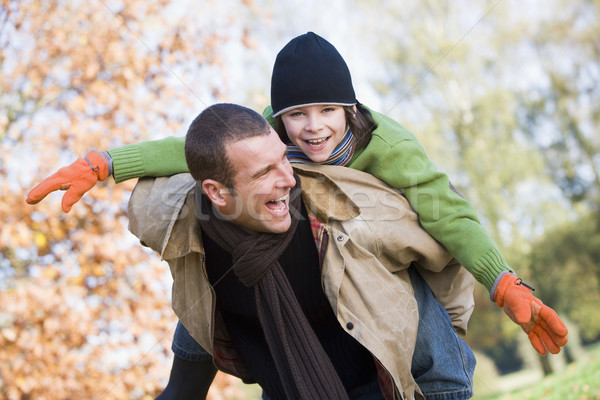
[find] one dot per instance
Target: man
(243, 246)
(309, 292)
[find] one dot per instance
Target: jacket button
(340, 238)
(350, 326)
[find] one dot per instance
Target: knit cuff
(127, 163)
(489, 266)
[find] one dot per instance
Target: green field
(577, 381)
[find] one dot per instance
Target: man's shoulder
(156, 204)
(162, 193)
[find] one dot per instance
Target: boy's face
(262, 183)
(316, 129)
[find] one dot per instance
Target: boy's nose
(314, 124)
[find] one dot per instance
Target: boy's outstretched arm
(541, 323)
(162, 157)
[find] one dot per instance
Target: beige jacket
(370, 236)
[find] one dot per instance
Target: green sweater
(393, 155)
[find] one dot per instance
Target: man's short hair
(210, 132)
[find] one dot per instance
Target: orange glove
(76, 179)
(541, 323)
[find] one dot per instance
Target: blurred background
(503, 94)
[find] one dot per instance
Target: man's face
(262, 184)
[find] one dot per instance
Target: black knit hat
(309, 70)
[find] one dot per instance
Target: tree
(85, 309)
(562, 114)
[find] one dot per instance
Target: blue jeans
(442, 364)
(185, 346)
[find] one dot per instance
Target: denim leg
(184, 346)
(443, 364)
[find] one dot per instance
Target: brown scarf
(304, 368)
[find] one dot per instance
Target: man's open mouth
(280, 204)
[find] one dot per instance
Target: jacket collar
(322, 197)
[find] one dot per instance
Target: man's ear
(216, 192)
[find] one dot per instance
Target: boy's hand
(541, 323)
(76, 179)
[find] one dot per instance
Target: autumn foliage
(85, 309)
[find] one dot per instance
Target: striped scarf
(340, 156)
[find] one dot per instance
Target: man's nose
(287, 176)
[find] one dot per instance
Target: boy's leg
(193, 369)
(443, 364)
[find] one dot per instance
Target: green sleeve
(162, 157)
(268, 115)
(395, 156)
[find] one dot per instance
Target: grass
(577, 381)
